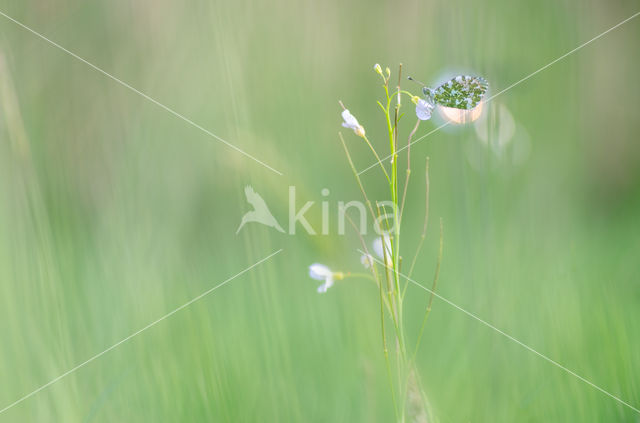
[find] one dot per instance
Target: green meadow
(115, 211)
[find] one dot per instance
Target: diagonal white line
(522, 344)
(140, 93)
(513, 85)
(188, 303)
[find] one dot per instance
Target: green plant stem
(392, 259)
(395, 198)
(358, 180)
(433, 290)
(383, 301)
(386, 357)
(390, 291)
(358, 275)
(375, 153)
(424, 227)
(406, 182)
(395, 236)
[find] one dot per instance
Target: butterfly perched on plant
(458, 98)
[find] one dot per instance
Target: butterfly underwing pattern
(462, 92)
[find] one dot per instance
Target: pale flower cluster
(381, 247)
(350, 121)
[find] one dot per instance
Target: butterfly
(459, 98)
(462, 92)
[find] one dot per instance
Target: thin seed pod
(426, 219)
(355, 173)
(433, 290)
(406, 182)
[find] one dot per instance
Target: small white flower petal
(377, 246)
(349, 120)
(352, 123)
(328, 283)
(366, 260)
(319, 272)
(423, 110)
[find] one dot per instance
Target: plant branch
(433, 291)
(406, 182)
(426, 218)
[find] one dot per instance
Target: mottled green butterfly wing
(461, 92)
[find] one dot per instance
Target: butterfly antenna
(416, 81)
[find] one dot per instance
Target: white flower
(377, 68)
(320, 272)
(423, 109)
(366, 260)
(351, 122)
(377, 248)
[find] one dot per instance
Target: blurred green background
(113, 212)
